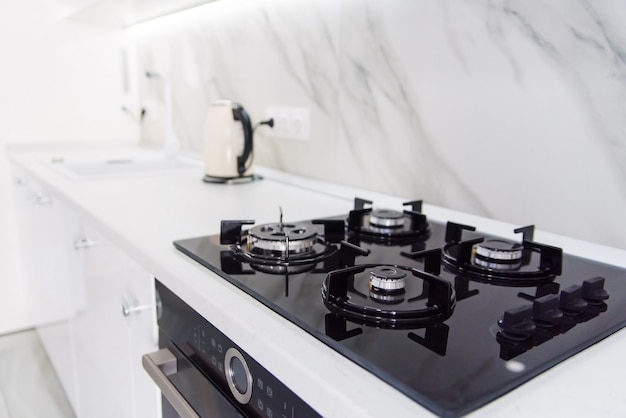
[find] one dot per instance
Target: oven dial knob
(238, 375)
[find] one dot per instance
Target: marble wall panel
(509, 109)
(258, 53)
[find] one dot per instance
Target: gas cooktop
(451, 317)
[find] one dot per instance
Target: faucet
(171, 144)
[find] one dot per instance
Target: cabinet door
(47, 264)
(108, 330)
(144, 339)
(50, 272)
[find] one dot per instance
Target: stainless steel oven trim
(159, 365)
(242, 398)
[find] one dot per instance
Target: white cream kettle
(228, 152)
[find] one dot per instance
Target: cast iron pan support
(333, 229)
(432, 259)
(230, 231)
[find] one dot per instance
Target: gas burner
(498, 254)
(499, 249)
(389, 296)
(387, 284)
(387, 279)
(282, 238)
(280, 248)
(386, 218)
(387, 225)
(499, 260)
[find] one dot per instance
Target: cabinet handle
(40, 200)
(128, 308)
(159, 365)
(84, 243)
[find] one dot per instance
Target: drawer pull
(129, 308)
(159, 365)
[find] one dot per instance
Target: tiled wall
(511, 109)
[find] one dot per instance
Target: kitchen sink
(115, 166)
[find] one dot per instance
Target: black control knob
(517, 323)
(571, 300)
(546, 310)
(594, 292)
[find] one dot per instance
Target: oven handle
(159, 365)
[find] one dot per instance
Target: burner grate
(387, 225)
(279, 248)
(501, 261)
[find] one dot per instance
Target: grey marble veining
(510, 109)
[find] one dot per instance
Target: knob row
(547, 311)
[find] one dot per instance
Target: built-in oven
(202, 373)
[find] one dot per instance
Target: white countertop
(144, 214)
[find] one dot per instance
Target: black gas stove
(448, 315)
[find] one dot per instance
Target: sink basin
(82, 168)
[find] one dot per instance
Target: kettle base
(231, 180)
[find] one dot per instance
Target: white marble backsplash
(511, 109)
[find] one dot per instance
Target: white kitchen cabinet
(144, 339)
(92, 305)
(47, 228)
(117, 323)
(50, 271)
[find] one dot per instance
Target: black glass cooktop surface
(451, 317)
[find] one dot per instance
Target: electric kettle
(228, 150)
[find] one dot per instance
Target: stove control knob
(517, 324)
(571, 300)
(546, 310)
(238, 375)
(594, 292)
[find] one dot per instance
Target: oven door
(203, 373)
(186, 391)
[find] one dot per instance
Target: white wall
(59, 80)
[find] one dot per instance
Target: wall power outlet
(289, 122)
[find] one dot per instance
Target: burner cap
(387, 218)
(292, 238)
(500, 250)
(387, 279)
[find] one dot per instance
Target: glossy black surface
(201, 351)
(450, 366)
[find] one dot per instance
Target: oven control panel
(249, 387)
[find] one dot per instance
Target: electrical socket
(289, 122)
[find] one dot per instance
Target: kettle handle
(241, 115)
